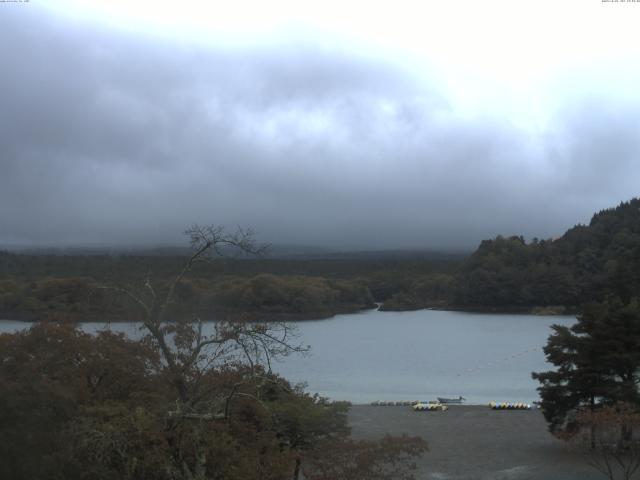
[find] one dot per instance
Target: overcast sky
(407, 125)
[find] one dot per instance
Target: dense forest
(72, 286)
(506, 273)
(585, 264)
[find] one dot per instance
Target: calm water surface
(417, 355)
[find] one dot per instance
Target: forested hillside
(506, 273)
(585, 264)
(70, 286)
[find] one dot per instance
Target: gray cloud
(111, 138)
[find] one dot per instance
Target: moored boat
(460, 399)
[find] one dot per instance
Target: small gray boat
(460, 399)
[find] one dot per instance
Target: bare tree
(188, 351)
(212, 368)
(192, 356)
(608, 439)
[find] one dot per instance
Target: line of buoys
(509, 406)
(404, 403)
(427, 407)
(495, 363)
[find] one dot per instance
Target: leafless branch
(129, 294)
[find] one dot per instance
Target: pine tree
(597, 363)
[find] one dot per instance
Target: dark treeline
(586, 264)
(506, 273)
(69, 285)
(548, 276)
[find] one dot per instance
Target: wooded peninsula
(503, 274)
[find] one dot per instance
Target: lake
(417, 355)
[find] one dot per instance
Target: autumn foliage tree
(184, 402)
(49, 376)
(606, 437)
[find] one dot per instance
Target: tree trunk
(626, 435)
(296, 470)
(592, 429)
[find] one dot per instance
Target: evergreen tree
(597, 360)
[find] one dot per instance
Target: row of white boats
(440, 401)
(510, 406)
(420, 407)
(442, 404)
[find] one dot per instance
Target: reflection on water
(412, 355)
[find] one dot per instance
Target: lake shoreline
(267, 316)
(518, 310)
(252, 316)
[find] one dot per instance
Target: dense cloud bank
(110, 138)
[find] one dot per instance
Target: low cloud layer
(107, 138)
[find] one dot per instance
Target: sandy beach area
(475, 442)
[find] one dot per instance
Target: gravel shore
(475, 442)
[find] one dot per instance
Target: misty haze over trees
(396, 155)
(507, 273)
